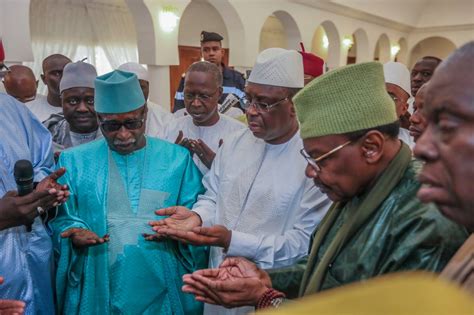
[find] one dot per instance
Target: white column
(160, 85)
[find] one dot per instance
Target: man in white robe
(397, 82)
(44, 106)
(255, 204)
(204, 129)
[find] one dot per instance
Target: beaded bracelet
(271, 297)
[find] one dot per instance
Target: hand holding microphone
(22, 207)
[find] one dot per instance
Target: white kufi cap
(138, 69)
(397, 73)
(278, 67)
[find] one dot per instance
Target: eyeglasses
(314, 162)
(190, 97)
(114, 125)
(260, 106)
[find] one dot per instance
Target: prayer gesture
(202, 150)
(22, 210)
(237, 282)
(11, 306)
(84, 238)
(180, 218)
(50, 182)
(216, 235)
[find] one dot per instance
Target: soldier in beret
(212, 51)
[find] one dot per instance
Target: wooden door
(187, 56)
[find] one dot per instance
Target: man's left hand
(216, 235)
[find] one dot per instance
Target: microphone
(229, 101)
(23, 173)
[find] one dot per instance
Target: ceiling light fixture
(168, 18)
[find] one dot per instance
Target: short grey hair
(209, 67)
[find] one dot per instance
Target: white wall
(15, 30)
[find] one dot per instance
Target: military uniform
(233, 81)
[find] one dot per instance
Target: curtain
(80, 29)
(113, 28)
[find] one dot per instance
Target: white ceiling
(414, 13)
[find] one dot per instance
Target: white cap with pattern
(397, 73)
(138, 69)
(278, 67)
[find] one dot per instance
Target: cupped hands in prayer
(237, 282)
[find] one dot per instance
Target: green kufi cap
(118, 92)
(347, 99)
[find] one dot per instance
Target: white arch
(362, 40)
(292, 31)
(146, 40)
(436, 46)
(382, 49)
(334, 40)
(235, 30)
(402, 55)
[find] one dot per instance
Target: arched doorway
(189, 38)
(360, 47)
(439, 47)
(280, 30)
(402, 53)
(326, 44)
(382, 49)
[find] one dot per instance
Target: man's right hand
(16, 210)
(8, 307)
(180, 218)
(84, 238)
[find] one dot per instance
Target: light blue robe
(128, 275)
(25, 257)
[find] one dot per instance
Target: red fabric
(266, 299)
(312, 64)
(2, 51)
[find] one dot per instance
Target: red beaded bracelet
(268, 298)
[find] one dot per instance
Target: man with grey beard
(117, 184)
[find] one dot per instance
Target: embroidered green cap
(344, 100)
(118, 92)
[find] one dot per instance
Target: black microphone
(23, 173)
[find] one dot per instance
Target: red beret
(312, 64)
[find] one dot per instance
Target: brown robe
(460, 268)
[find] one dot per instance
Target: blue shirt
(25, 257)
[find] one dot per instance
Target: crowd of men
(312, 181)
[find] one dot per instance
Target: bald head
(21, 83)
(53, 59)
(52, 73)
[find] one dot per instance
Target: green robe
(118, 195)
(400, 234)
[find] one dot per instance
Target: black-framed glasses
(190, 97)
(260, 106)
(114, 125)
(314, 161)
